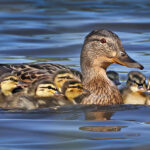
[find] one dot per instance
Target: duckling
(9, 84)
(134, 92)
(73, 90)
(63, 75)
(113, 76)
(100, 49)
(9, 97)
(72, 93)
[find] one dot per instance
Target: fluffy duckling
(63, 75)
(113, 76)
(72, 93)
(73, 90)
(134, 92)
(9, 84)
(101, 48)
(10, 98)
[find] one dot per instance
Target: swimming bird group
(33, 86)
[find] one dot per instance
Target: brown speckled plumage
(102, 48)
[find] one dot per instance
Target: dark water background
(53, 31)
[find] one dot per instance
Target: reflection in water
(102, 128)
(98, 116)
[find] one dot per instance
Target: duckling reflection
(64, 75)
(133, 93)
(113, 76)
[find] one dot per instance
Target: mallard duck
(63, 75)
(101, 48)
(134, 92)
(113, 76)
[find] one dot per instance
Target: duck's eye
(123, 54)
(103, 40)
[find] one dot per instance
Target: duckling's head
(10, 84)
(74, 90)
(113, 76)
(45, 89)
(61, 77)
(102, 48)
(136, 81)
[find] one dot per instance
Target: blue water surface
(35, 31)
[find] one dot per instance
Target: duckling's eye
(123, 54)
(79, 87)
(12, 79)
(103, 40)
(49, 87)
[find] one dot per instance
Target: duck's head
(136, 81)
(10, 84)
(102, 48)
(45, 89)
(61, 77)
(74, 90)
(113, 76)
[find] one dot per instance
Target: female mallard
(101, 48)
(134, 92)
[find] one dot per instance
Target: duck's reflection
(100, 116)
(102, 128)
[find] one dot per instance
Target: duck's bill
(128, 62)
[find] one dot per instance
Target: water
(53, 31)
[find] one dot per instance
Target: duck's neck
(103, 91)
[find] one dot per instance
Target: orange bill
(128, 62)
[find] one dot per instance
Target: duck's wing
(30, 72)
